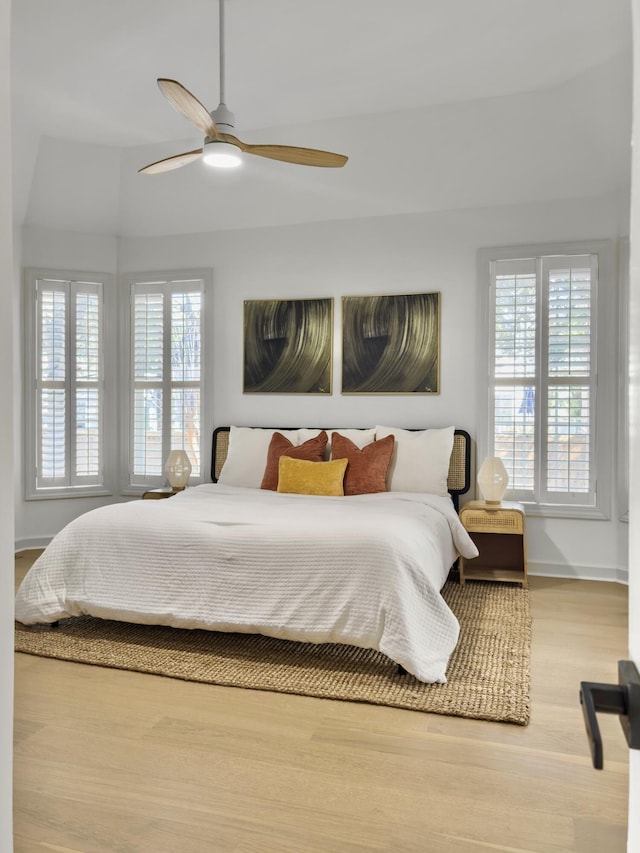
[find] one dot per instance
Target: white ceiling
(86, 70)
(354, 76)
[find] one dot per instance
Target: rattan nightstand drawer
(492, 521)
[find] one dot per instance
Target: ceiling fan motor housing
(224, 119)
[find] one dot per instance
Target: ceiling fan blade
(170, 163)
(290, 153)
(188, 105)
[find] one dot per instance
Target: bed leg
(402, 670)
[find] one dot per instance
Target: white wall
(6, 441)
(420, 252)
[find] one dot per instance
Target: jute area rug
(487, 678)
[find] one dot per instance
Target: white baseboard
(588, 573)
(28, 544)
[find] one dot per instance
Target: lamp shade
(177, 469)
(493, 479)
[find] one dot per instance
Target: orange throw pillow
(367, 469)
(312, 451)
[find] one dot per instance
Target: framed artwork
(288, 346)
(391, 344)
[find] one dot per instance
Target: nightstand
(498, 531)
(157, 494)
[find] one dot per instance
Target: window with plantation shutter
(569, 361)
(166, 375)
(543, 412)
(65, 371)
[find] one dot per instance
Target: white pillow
(305, 434)
(247, 455)
(360, 437)
(420, 461)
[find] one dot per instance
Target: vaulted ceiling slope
(439, 106)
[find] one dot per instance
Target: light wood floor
(120, 761)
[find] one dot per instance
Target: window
(166, 374)
(66, 377)
(546, 419)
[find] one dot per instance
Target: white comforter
(366, 570)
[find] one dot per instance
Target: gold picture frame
(391, 344)
(288, 346)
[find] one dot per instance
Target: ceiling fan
(221, 146)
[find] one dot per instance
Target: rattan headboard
(458, 482)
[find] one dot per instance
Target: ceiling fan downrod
(223, 117)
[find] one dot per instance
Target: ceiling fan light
(222, 155)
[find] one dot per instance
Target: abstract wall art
(391, 344)
(288, 345)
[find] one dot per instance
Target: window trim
(32, 491)
(127, 281)
(605, 418)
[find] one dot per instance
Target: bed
(364, 569)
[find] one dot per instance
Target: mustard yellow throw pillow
(300, 477)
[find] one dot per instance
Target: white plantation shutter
(166, 376)
(148, 372)
(51, 400)
(87, 320)
(568, 362)
(515, 330)
(542, 382)
(65, 372)
(186, 372)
